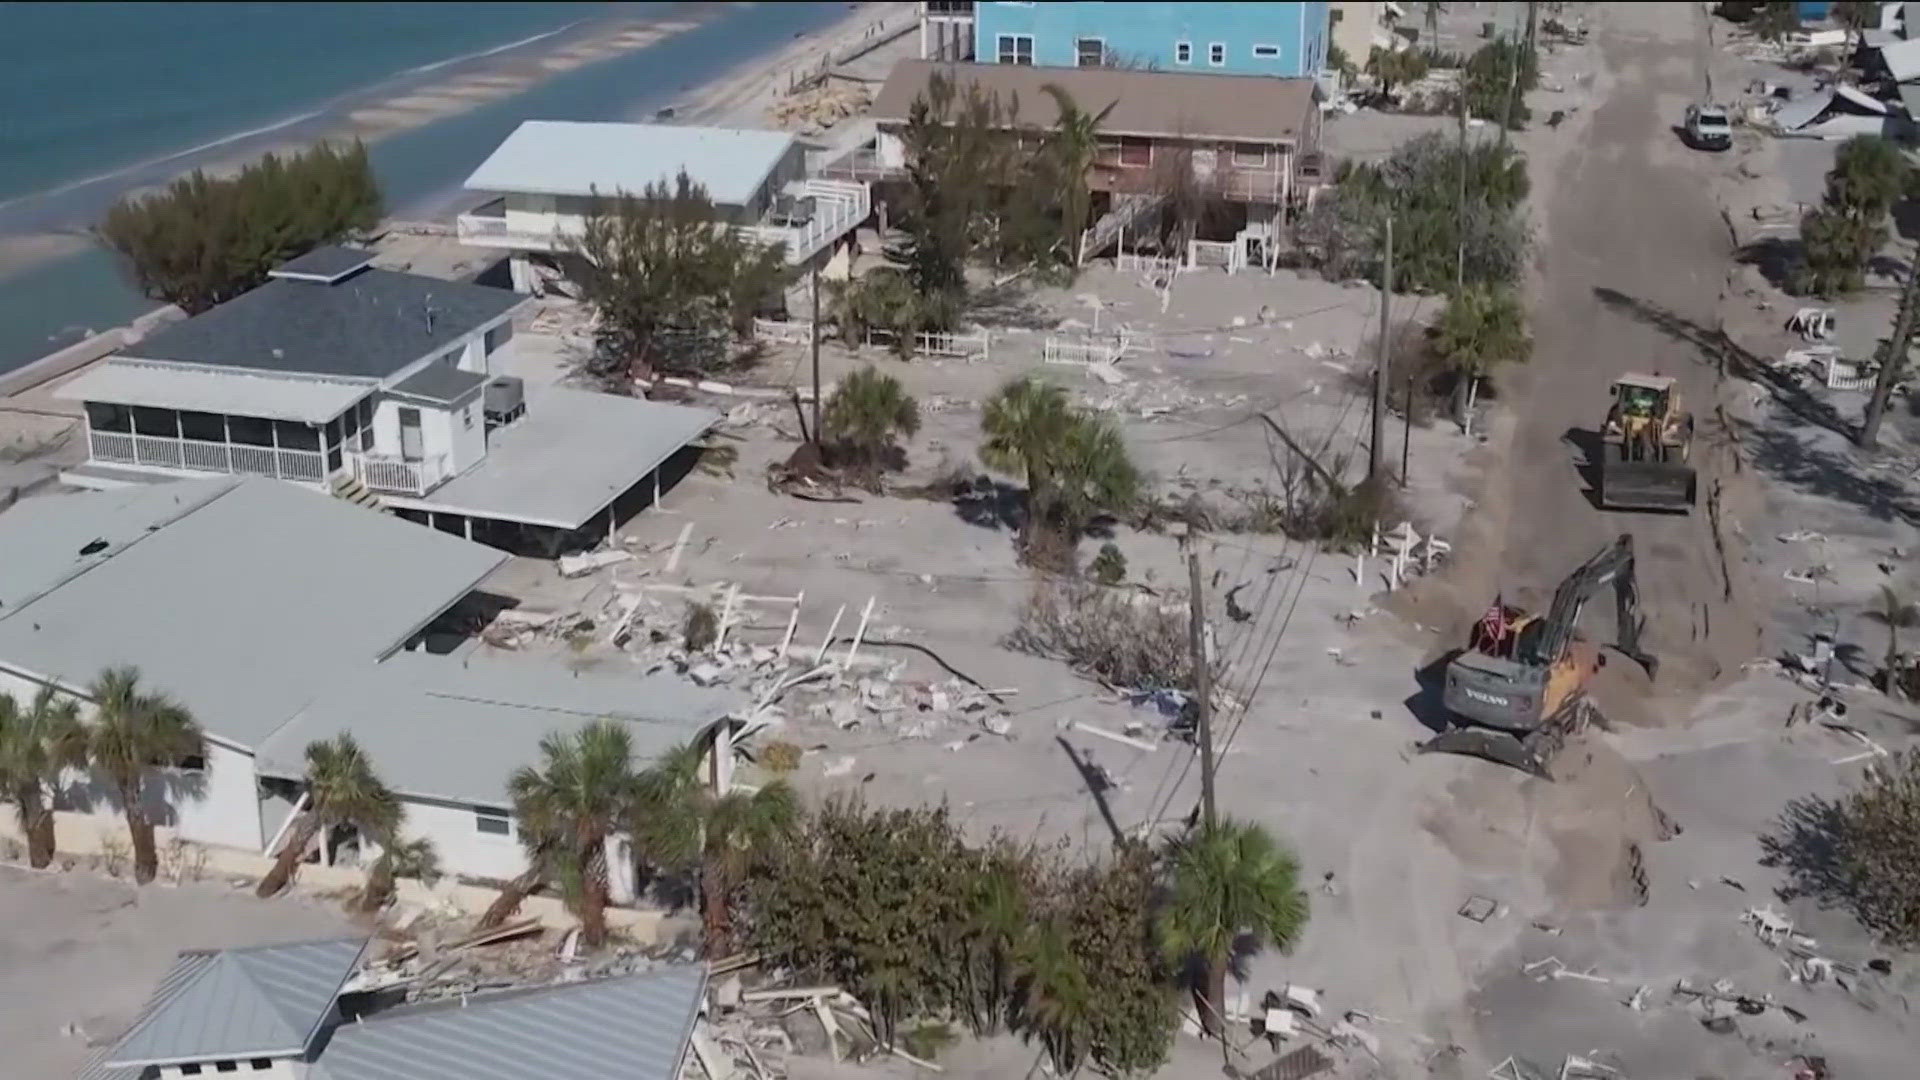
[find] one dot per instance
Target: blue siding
(1291, 37)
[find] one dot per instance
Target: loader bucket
(1646, 485)
(1492, 745)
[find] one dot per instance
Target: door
(411, 448)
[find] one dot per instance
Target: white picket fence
(1081, 351)
(1153, 264)
(1225, 254)
(977, 345)
(783, 331)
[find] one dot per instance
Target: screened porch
(223, 443)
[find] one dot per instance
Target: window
(295, 435)
(1335, 17)
(104, 417)
(492, 821)
(1266, 52)
(250, 430)
(1089, 52)
(226, 1066)
(1249, 155)
(262, 1064)
(191, 1068)
(1016, 49)
(1183, 52)
(1217, 53)
(1128, 152)
(466, 417)
(161, 422)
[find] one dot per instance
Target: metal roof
(368, 325)
(242, 601)
(266, 1001)
(557, 157)
(636, 1027)
(1902, 58)
(443, 383)
(455, 729)
(238, 393)
(572, 454)
(328, 264)
(1168, 104)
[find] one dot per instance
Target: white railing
(114, 448)
(1222, 253)
(839, 208)
(783, 331)
(486, 230)
(1127, 208)
(1153, 264)
(400, 476)
(974, 346)
(1082, 351)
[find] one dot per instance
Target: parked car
(1707, 128)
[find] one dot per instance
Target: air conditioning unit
(505, 399)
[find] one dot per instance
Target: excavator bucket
(1493, 745)
(1646, 485)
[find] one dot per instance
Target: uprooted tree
(671, 290)
(205, 240)
(1420, 187)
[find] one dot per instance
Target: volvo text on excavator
(1519, 690)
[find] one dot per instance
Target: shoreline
(739, 96)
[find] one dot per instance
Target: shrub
(780, 758)
(1109, 567)
(1878, 841)
(700, 627)
(1131, 641)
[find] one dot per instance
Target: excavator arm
(1613, 564)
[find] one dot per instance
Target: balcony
(153, 451)
(489, 226)
(400, 476)
(838, 208)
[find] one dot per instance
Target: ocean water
(104, 98)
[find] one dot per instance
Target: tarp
(1902, 60)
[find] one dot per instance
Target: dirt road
(1631, 248)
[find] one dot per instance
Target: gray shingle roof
(330, 263)
(242, 600)
(410, 709)
(443, 383)
(236, 1003)
(634, 1028)
(368, 325)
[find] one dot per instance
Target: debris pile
(821, 108)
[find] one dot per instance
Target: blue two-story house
(1283, 39)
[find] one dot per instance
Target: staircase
(352, 490)
(1125, 211)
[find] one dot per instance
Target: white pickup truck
(1707, 128)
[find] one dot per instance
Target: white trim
(1015, 39)
(1219, 49)
(1177, 46)
(1266, 52)
(1077, 42)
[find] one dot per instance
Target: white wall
(219, 805)
(282, 1069)
(890, 150)
(466, 434)
(465, 850)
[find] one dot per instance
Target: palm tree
(342, 789)
(679, 824)
(864, 416)
(1894, 612)
(36, 745)
(416, 858)
(1396, 67)
(1055, 997)
(1075, 144)
(540, 869)
(133, 729)
(1074, 463)
(1230, 883)
(1480, 326)
(569, 807)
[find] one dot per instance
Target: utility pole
(1460, 209)
(1406, 435)
(813, 334)
(1202, 684)
(1376, 454)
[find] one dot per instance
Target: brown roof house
(1250, 140)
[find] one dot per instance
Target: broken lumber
(497, 934)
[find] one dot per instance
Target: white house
(380, 386)
(279, 616)
(291, 1012)
(543, 180)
